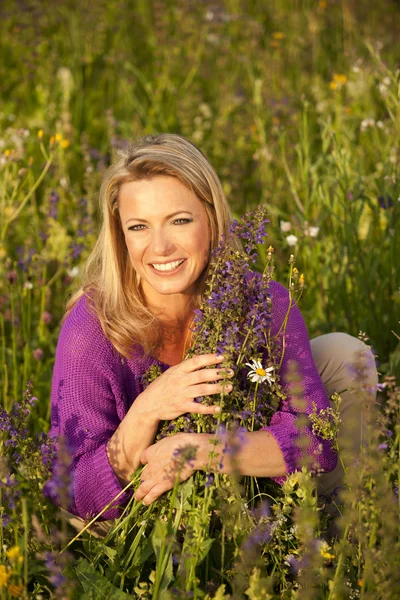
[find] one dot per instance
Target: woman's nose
(161, 242)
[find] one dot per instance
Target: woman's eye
(138, 227)
(182, 221)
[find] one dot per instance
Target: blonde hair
(110, 281)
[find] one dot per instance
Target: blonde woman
(163, 211)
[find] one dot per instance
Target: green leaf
(96, 585)
(110, 552)
(163, 554)
(204, 549)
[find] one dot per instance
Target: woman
(163, 211)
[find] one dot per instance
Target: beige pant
(346, 363)
(334, 354)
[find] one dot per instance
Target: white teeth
(168, 266)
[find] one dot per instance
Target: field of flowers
(297, 105)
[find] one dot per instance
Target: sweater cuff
(286, 438)
(96, 485)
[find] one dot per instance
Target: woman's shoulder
(81, 330)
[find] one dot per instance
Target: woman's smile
(169, 267)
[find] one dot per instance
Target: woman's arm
(252, 453)
(303, 386)
(171, 395)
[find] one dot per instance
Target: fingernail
(220, 357)
(229, 387)
(217, 409)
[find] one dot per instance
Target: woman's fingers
(199, 362)
(206, 375)
(148, 496)
(202, 409)
(209, 389)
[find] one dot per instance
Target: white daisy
(258, 374)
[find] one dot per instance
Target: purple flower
(38, 354)
(382, 446)
(5, 520)
(53, 204)
(294, 564)
(46, 317)
(209, 479)
(385, 202)
(12, 276)
(76, 250)
(56, 576)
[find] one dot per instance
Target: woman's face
(166, 233)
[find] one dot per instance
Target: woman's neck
(175, 315)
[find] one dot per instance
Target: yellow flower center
(261, 372)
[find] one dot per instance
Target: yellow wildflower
(301, 280)
(64, 143)
(3, 576)
(278, 35)
(295, 271)
(327, 555)
(324, 551)
(7, 153)
(16, 590)
(14, 555)
(338, 81)
(271, 249)
(360, 582)
(58, 137)
(40, 134)
(52, 140)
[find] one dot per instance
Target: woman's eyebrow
(179, 212)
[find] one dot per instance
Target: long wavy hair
(109, 280)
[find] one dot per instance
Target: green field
(297, 105)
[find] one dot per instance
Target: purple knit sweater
(93, 388)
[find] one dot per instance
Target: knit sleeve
(290, 425)
(86, 399)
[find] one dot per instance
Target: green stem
(25, 521)
(88, 525)
(27, 197)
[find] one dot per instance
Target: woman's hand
(172, 394)
(171, 458)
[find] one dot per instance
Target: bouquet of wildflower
(163, 546)
(233, 321)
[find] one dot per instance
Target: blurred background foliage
(295, 102)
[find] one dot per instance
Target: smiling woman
(164, 211)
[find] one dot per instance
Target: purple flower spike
(209, 479)
(385, 202)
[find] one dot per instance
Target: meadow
(297, 105)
